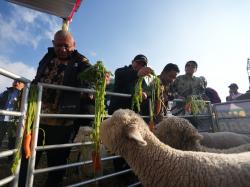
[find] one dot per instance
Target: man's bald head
(62, 33)
(64, 44)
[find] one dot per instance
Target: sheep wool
(157, 164)
(180, 134)
(224, 140)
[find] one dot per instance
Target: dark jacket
(125, 80)
(4, 98)
(212, 95)
(69, 101)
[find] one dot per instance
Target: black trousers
(55, 157)
(10, 127)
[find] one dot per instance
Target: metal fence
(31, 168)
(32, 171)
(13, 178)
(233, 116)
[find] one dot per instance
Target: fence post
(35, 130)
(20, 128)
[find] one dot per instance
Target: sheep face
(123, 126)
(178, 133)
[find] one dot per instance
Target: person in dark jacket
(61, 66)
(10, 100)
(125, 80)
(212, 95)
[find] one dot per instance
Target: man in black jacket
(125, 81)
(61, 66)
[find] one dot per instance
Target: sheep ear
(197, 137)
(135, 135)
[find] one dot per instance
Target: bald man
(60, 66)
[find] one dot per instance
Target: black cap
(141, 58)
(233, 85)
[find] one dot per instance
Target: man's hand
(144, 95)
(144, 71)
(107, 77)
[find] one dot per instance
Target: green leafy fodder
(194, 104)
(30, 116)
(155, 101)
(96, 75)
(137, 96)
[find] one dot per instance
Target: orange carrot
(157, 106)
(26, 145)
(151, 125)
(96, 161)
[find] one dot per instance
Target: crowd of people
(62, 64)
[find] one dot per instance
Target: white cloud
(22, 25)
(17, 68)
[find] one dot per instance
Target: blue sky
(215, 33)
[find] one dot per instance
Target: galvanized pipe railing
(14, 178)
(31, 168)
(21, 114)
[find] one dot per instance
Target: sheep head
(123, 127)
(178, 133)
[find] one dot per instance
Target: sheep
(180, 134)
(157, 164)
(224, 140)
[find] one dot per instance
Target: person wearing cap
(125, 81)
(10, 100)
(233, 92)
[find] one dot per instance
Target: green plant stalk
(152, 102)
(31, 111)
(197, 104)
(32, 107)
(155, 94)
(137, 96)
(96, 75)
(17, 156)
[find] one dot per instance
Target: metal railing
(32, 171)
(21, 114)
(233, 116)
(208, 113)
(31, 166)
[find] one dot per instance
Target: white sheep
(224, 140)
(157, 164)
(180, 134)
